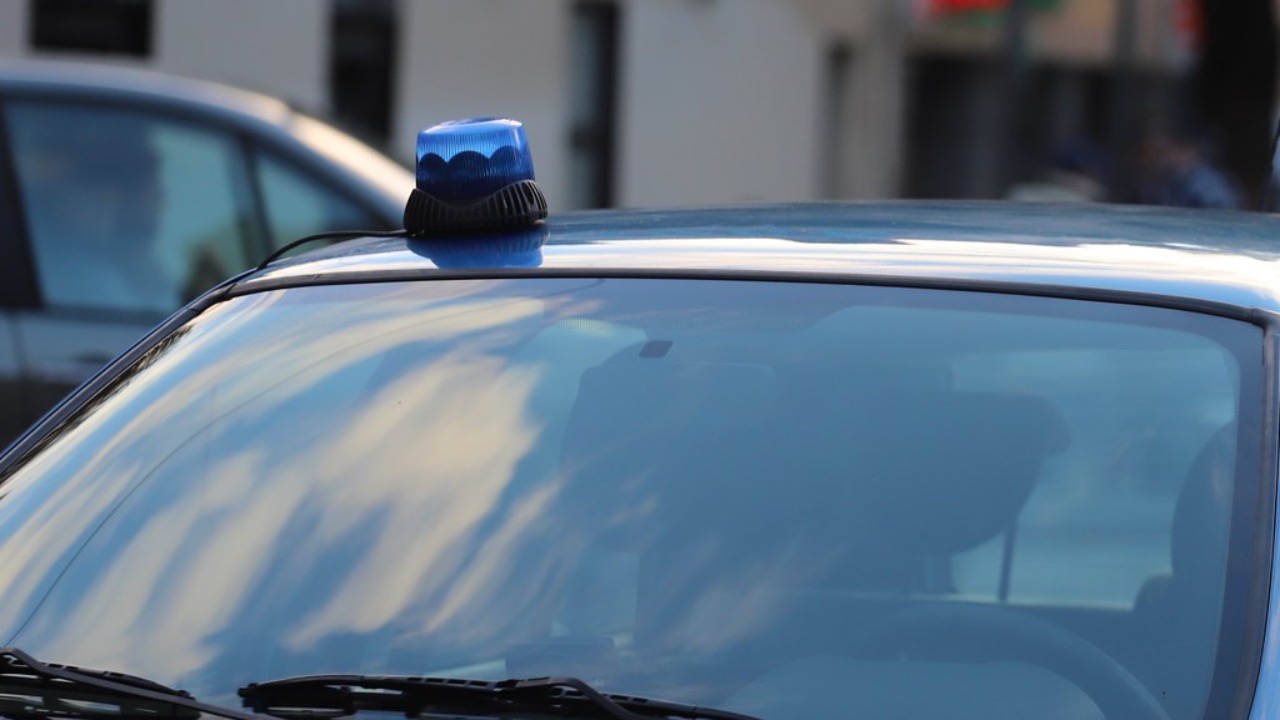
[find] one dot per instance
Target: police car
(783, 462)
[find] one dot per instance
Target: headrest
(940, 472)
(642, 430)
(657, 442)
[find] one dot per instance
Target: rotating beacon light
(473, 176)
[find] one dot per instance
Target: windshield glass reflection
(672, 488)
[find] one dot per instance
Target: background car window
(298, 205)
(127, 210)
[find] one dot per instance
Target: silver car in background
(125, 193)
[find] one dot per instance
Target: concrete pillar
(876, 108)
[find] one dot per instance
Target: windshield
(787, 500)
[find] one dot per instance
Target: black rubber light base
(517, 205)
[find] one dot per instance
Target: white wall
(278, 47)
(720, 102)
(488, 58)
(876, 110)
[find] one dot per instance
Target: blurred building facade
(660, 102)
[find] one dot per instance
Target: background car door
(17, 292)
(13, 401)
(128, 214)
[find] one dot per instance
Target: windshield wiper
(32, 689)
(337, 695)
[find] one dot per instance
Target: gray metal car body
(1230, 260)
(46, 351)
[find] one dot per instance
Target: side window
(127, 210)
(1099, 523)
(298, 205)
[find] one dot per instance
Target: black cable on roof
(331, 235)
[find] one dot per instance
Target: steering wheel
(983, 633)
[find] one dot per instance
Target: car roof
(1228, 259)
(246, 110)
(223, 100)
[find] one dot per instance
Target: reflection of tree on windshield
(322, 500)
(469, 480)
(144, 361)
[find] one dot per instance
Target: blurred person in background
(1178, 169)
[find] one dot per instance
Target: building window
(593, 83)
(362, 36)
(110, 27)
(835, 130)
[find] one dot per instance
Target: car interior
(832, 584)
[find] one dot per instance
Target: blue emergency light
(473, 176)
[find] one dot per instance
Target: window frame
(256, 150)
(135, 42)
(1237, 678)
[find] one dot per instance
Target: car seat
(1178, 614)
